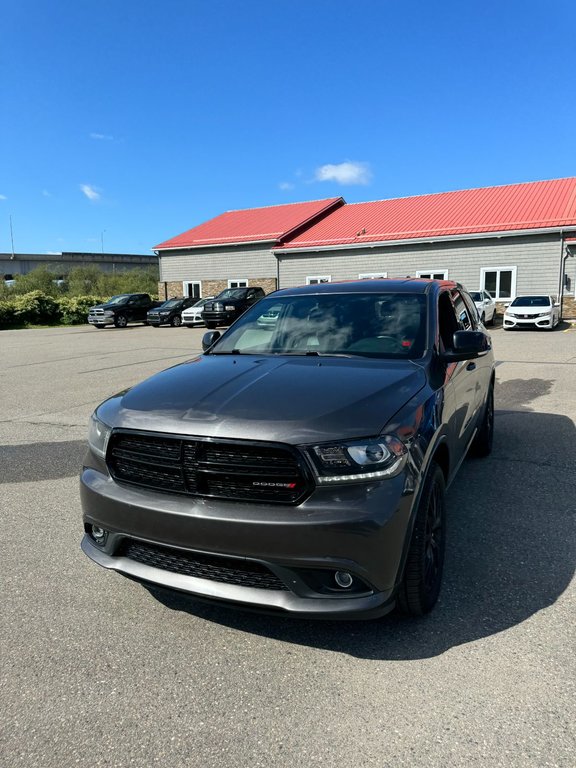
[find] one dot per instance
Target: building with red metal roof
(510, 240)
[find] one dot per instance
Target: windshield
(476, 295)
(201, 302)
(121, 299)
(232, 293)
(377, 325)
(171, 303)
(531, 301)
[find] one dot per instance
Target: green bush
(36, 307)
(74, 309)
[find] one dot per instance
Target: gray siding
(218, 262)
(537, 259)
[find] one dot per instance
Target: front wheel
(120, 321)
(422, 577)
(176, 321)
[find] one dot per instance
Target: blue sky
(125, 123)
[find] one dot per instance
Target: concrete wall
(536, 258)
(62, 263)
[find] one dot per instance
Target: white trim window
(433, 274)
(372, 275)
(192, 289)
(238, 283)
(500, 282)
(316, 279)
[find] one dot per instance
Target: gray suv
(299, 464)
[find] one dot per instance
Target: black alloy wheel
(120, 321)
(422, 578)
(176, 321)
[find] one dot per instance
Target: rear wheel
(176, 321)
(422, 578)
(120, 321)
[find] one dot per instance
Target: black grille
(234, 470)
(228, 570)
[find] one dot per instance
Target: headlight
(371, 459)
(108, 313)
(509, 314)
(229, 308)
(543, 314)
(98, 435)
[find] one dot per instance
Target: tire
(482, 445)
(483, 318)
(422, 577)
(120, 321)
(176, 321)
(210, 325)
(493, 318)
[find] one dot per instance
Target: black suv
(229, 305)
(170, 313)
(299, 465)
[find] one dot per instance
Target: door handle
(471, 366)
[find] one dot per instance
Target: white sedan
(485, 305)
(193, 315)
(532, 312)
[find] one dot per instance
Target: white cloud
(101, 137)
(344, 173)
(3, 197)
(45, 193)
(285, 185)
(91, 192)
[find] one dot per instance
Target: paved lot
(97, 671)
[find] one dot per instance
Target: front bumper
(100, 320)
(547, 322)
(220, 318)
(360, 529)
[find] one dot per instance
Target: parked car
(485, 305)
(300, 467)
(169, 313)
(193, 315)
(121, 310)
(532, 312)
(229, 305)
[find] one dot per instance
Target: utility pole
(12, 239)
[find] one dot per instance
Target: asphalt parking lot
(96, 670)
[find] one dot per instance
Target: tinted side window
(462, 312)
(447, 322)
(473, 311)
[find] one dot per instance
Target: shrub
(74, 309)
(36, 307)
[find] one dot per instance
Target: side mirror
(466, 346)
(209, 339)
(507, 305)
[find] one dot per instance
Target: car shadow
(511, 547)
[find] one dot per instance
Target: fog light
(343, 579)
(99, 535)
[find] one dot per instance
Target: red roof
(535, 205)
(253, 224)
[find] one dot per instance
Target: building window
(433, 274)
(315, 279)
(237, 283)
(372, 275)
(500, 282)
(192, 289)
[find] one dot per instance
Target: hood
(294, 400)
(106, 306)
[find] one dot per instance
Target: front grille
(234, 470)
(228, 570)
